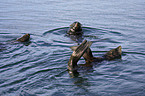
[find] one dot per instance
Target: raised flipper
(24, 38)
(88, 56)
(77, 54)
(113, 54)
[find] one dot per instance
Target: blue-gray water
(39, 68)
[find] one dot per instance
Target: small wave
(14, 82)
(57, 31)
(135, 53)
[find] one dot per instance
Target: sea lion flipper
(80, 50)
(73, 48)
(78, 53)
(88, 56)
(113, 54)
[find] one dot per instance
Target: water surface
(39, 67)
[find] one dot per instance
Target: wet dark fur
(85, 51)
(75, 29)
(24, 38)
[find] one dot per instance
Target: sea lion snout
(76, 26)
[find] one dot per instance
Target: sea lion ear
(73, 48)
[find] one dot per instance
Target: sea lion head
(114, 53)
(75, 28)
(24, 38)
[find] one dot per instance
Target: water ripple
(39, 67)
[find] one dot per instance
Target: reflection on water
(39, 67)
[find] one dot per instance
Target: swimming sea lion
(24, 38)
(85, 51)
(75, 29)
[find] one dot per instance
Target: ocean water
(39, 67)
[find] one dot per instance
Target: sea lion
(24, 38)
(84, 50)
(75, 29)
